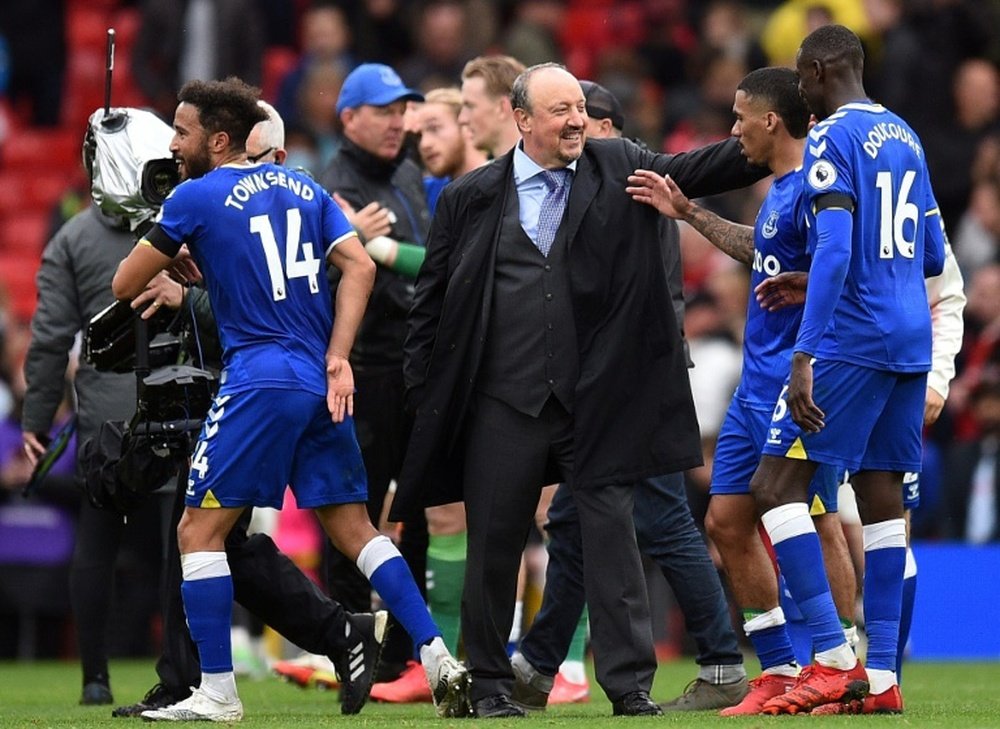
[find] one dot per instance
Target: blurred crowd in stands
(674, 64)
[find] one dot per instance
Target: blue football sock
(885, 560)
(389, 574)
(207, 591)
(767, 632)
(795, 625)
(906, 616)
(800, 560)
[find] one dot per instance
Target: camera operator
(73, 279)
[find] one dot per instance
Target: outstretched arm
(662, 193)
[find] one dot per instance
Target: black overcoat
(633, 412)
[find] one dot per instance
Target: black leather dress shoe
(636, 703)
(499, 706)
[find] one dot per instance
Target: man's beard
(196, 166)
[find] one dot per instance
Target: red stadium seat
(278, 61)
(24, 232)
(37, 148)
(33, 190)
(17, 276)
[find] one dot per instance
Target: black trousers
(509, 458)
(265, 582)
(383, 429)
(100, 536)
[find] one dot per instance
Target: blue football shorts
(873, 420)
(737, 453)
(255, 442)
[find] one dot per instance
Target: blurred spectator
(326, 41)
(703, 114)
(317, 113)
(180, 40)
(972, 477)
(34, 33)
(726, 29)
(793, 20)
(922, 44)
(381, 31)
(980, 354)
(956, 138)
(442, 46)
(668, 43)
(977, 234)
(533, 34)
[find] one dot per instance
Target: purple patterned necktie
(553, 206)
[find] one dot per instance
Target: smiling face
(189, 145)
(376, 129)
(442, 144)
(554, 129)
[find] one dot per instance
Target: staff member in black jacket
(542, 347)
(370, 167)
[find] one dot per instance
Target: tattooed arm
(662, 193)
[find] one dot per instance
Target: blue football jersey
(260, 235)
(779, 245)
(881, 319)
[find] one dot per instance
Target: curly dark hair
(228, 106)
(779, 88)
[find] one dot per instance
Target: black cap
(602, 104)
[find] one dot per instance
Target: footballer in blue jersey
(771, 125)
(856, 391)
(260, 236)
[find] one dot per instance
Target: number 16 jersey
(260, 235)
(868, 154)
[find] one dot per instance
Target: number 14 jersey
(868, 154)
(260, 235)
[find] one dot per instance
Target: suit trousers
(666, 532)
(508, 456)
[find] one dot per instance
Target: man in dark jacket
(542, 348)
(371, 167)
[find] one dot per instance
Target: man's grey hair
(272, 131)
(519, 91)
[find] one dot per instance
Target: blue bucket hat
(374, 84)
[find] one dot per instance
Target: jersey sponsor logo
(770, 227)
(911, 486)
(822, 174)
(774, 436)
(768, 264)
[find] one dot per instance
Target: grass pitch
(45, 694)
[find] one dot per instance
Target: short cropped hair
(449, 96)
(779, 89)
(498, 73)
(228, 106)
(272, 129)
(832, 44)
(519, 98)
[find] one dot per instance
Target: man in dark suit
(542, 347)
